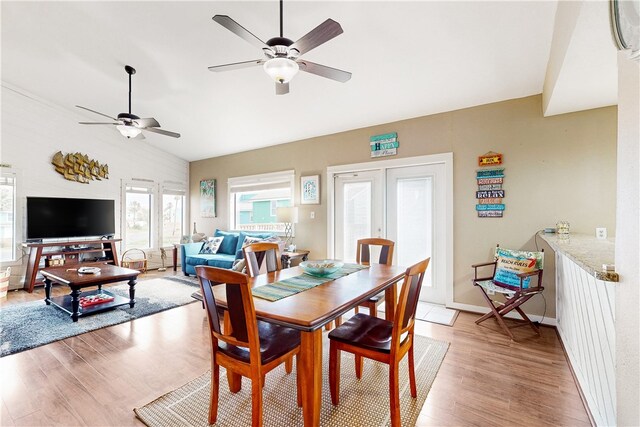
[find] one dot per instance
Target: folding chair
(513, 278)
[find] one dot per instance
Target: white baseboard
(550, 321)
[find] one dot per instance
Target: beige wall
(561, 167)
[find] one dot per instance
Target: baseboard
(549, 321)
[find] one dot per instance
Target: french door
(406, 204)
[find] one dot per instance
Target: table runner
(287, 287)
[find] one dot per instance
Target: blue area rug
(32, 324)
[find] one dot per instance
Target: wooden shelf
(37, 253)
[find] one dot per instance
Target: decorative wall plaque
(79, 167)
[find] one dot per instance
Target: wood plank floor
(96, 379)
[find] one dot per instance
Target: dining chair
(382, 340)
(249, 347)
(517, 276)
(363, 256)
(257, 253)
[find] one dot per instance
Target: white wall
(34, 129)
(628, 243)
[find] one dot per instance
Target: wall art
(310, 190)
(208, 198)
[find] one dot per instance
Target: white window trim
(18, 212)
(172, 188)
(141, 183)
(235, 183)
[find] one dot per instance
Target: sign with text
(490, 159)
(486, 181)
(490, 214)
(489, 194)
(490, 173)
(384, 145)
(496, 207)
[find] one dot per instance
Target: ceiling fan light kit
(128, 124)
(282, 61)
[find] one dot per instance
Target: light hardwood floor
(99, 377)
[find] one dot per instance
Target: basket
(4, 282)
(135, 259)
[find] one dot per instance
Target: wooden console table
(287, 256)
(70, 251)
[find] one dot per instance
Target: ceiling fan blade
(319, 35)
(282, 88)
(93, 111)
(324, 71)
(147, 123)
(163, 132)
(97, 123)
(240, 31)
(236, 65)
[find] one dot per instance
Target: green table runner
(287, 287)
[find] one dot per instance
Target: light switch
(312, 215)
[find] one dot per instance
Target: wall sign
(384, 145)
(310, 190)
(490, 193)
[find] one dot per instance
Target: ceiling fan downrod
(130, 70)
(281, 19)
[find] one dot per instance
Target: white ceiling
(408, 59)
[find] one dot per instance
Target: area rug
(32, 324)
(363, 402)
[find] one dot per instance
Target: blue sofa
(230, 250)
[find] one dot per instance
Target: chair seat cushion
(274, 342)
(366, 332)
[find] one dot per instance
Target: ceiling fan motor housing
(280, 48)
(127, 118)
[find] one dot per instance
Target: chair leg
(359, 364)
(328, 326)
(373, 309)
(215, 390)
(412, 372)
(288, 365)
(526, 318)
(494, 312)
(356, 309)
(394, 394)
(298, 381)
(256, 402)
(334, 373)
(338, 321)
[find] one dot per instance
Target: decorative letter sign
(384, 145)
(490, 192)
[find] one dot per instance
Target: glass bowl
(321, 268)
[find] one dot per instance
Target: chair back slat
(244, 325)
(408, 301)
(256, 253)
(363, 252)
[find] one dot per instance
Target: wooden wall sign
(384, 145)
(79, 167)
(490, 159)
(490, 193)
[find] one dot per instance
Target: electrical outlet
(312, 215)
(601, 233)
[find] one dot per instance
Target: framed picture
(310, 190)
(208, 198)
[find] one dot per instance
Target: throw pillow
(250, 240)
(239, 265)
(211, 245)
(230, 242)
(510, 263)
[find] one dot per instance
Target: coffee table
(76, 281)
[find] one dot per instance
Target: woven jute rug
(363, 402)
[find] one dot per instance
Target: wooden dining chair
(363, 256)
(257, 253)
(381, 340)
(249, 347)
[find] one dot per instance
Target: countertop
(586, 251)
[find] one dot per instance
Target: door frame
(443, 158)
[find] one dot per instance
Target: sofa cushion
(243, 235)
(223, 262)
(230, 242)
(211, 245)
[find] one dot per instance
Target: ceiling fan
(129, 124)
(282, 56)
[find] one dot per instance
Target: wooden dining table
(310, 310)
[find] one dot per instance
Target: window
(7, 217)
(138, 211)
(253, 200)
(173, 207)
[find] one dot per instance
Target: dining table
(310, 310)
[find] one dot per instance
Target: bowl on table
(322, 267)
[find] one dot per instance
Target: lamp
(281, 69)
(129, 131)
(288, 216)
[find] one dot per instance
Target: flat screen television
(54, 217)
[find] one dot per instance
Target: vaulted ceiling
(408, 59)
